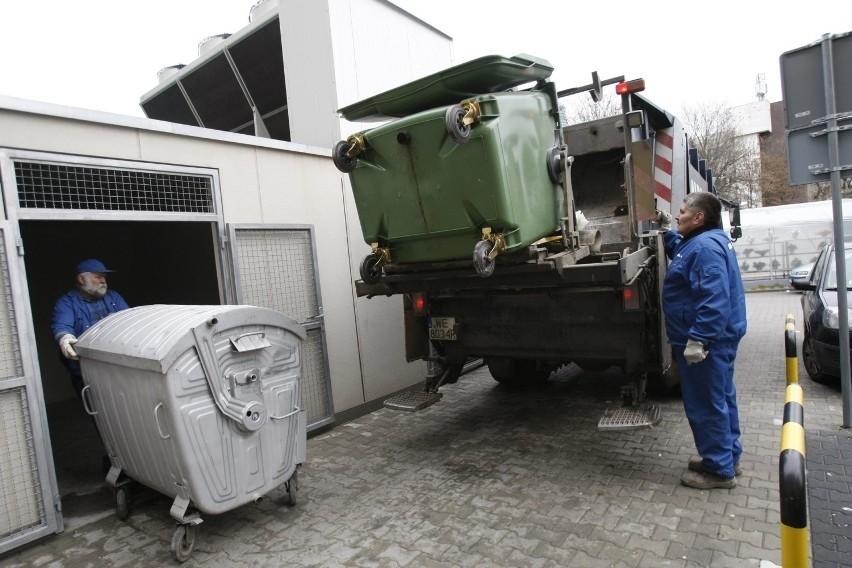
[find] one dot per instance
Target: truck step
(412, 400)
(630, 417)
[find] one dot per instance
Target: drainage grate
(65, 186)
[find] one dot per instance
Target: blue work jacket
(74, 314)
(703, 296)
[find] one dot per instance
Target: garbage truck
(518, 239)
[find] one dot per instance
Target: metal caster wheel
(371, 271)
(554, 166)
(483, 265)
(341, 161)
(292, 486)
(183, 541)
(456, 128)
(122, 503)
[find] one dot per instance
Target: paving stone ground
(491, 476)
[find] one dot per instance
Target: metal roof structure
(236, 84)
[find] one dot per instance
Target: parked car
(821, 343)
(799, 276)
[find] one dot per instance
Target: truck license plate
(442, 329)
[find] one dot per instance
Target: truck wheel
(483, 265)
(458, 130)
(370, 272)
(341, 161)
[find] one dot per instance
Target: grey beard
(95, 291)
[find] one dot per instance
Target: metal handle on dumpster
(157, 420)
(288, 415)
(249, 416)
(83, 396)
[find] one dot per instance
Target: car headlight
(831, 317)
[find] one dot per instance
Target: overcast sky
(105, 54)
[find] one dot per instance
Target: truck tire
(516, 372)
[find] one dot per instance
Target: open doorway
(155, 262)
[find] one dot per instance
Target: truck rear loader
(518, 239)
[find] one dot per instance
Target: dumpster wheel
(122, 503)
(454, 122)
(371, 268)
(342, 161)
(483, 265)
(183, 541)
(292, 487)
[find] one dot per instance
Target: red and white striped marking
(663, 156)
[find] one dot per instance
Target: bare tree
(584, 108)
(733, 159)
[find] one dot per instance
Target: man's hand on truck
(664, 220)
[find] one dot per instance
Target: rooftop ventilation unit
(207, 44)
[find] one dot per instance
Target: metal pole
(837, 206)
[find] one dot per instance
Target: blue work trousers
(710, 402)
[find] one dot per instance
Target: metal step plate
(630, 417)
(412, 400)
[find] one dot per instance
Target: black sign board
(803, 82)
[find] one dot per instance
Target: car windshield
(831, 277)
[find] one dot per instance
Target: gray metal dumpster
(201, 403)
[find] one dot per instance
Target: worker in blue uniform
(705, 314)
(79, 309)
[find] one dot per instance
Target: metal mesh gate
(21, 500)
(25, 492)
(276, 269)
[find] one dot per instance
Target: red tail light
(419, 304)
(630, 297)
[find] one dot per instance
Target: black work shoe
(696, 464)
(705, 480)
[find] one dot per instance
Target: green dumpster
(461, 175)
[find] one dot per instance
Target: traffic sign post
(818, 109)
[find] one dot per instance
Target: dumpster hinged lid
(489, 74)
(153, 337)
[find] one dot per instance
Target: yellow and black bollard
(790, 350)
(791, 466)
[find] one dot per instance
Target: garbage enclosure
(201, 403)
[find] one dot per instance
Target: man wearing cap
(79, 309)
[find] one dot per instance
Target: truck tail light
(627, 87)
(419, 304)
(630, 297)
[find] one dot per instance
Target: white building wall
(378, 46)
(262, 181)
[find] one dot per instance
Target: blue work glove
(694, 352)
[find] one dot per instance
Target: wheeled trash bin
(467, 168)
(201, 403)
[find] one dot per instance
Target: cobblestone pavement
(496, 477)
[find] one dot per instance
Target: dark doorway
(155, 262)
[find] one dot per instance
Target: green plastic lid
(489, 74)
